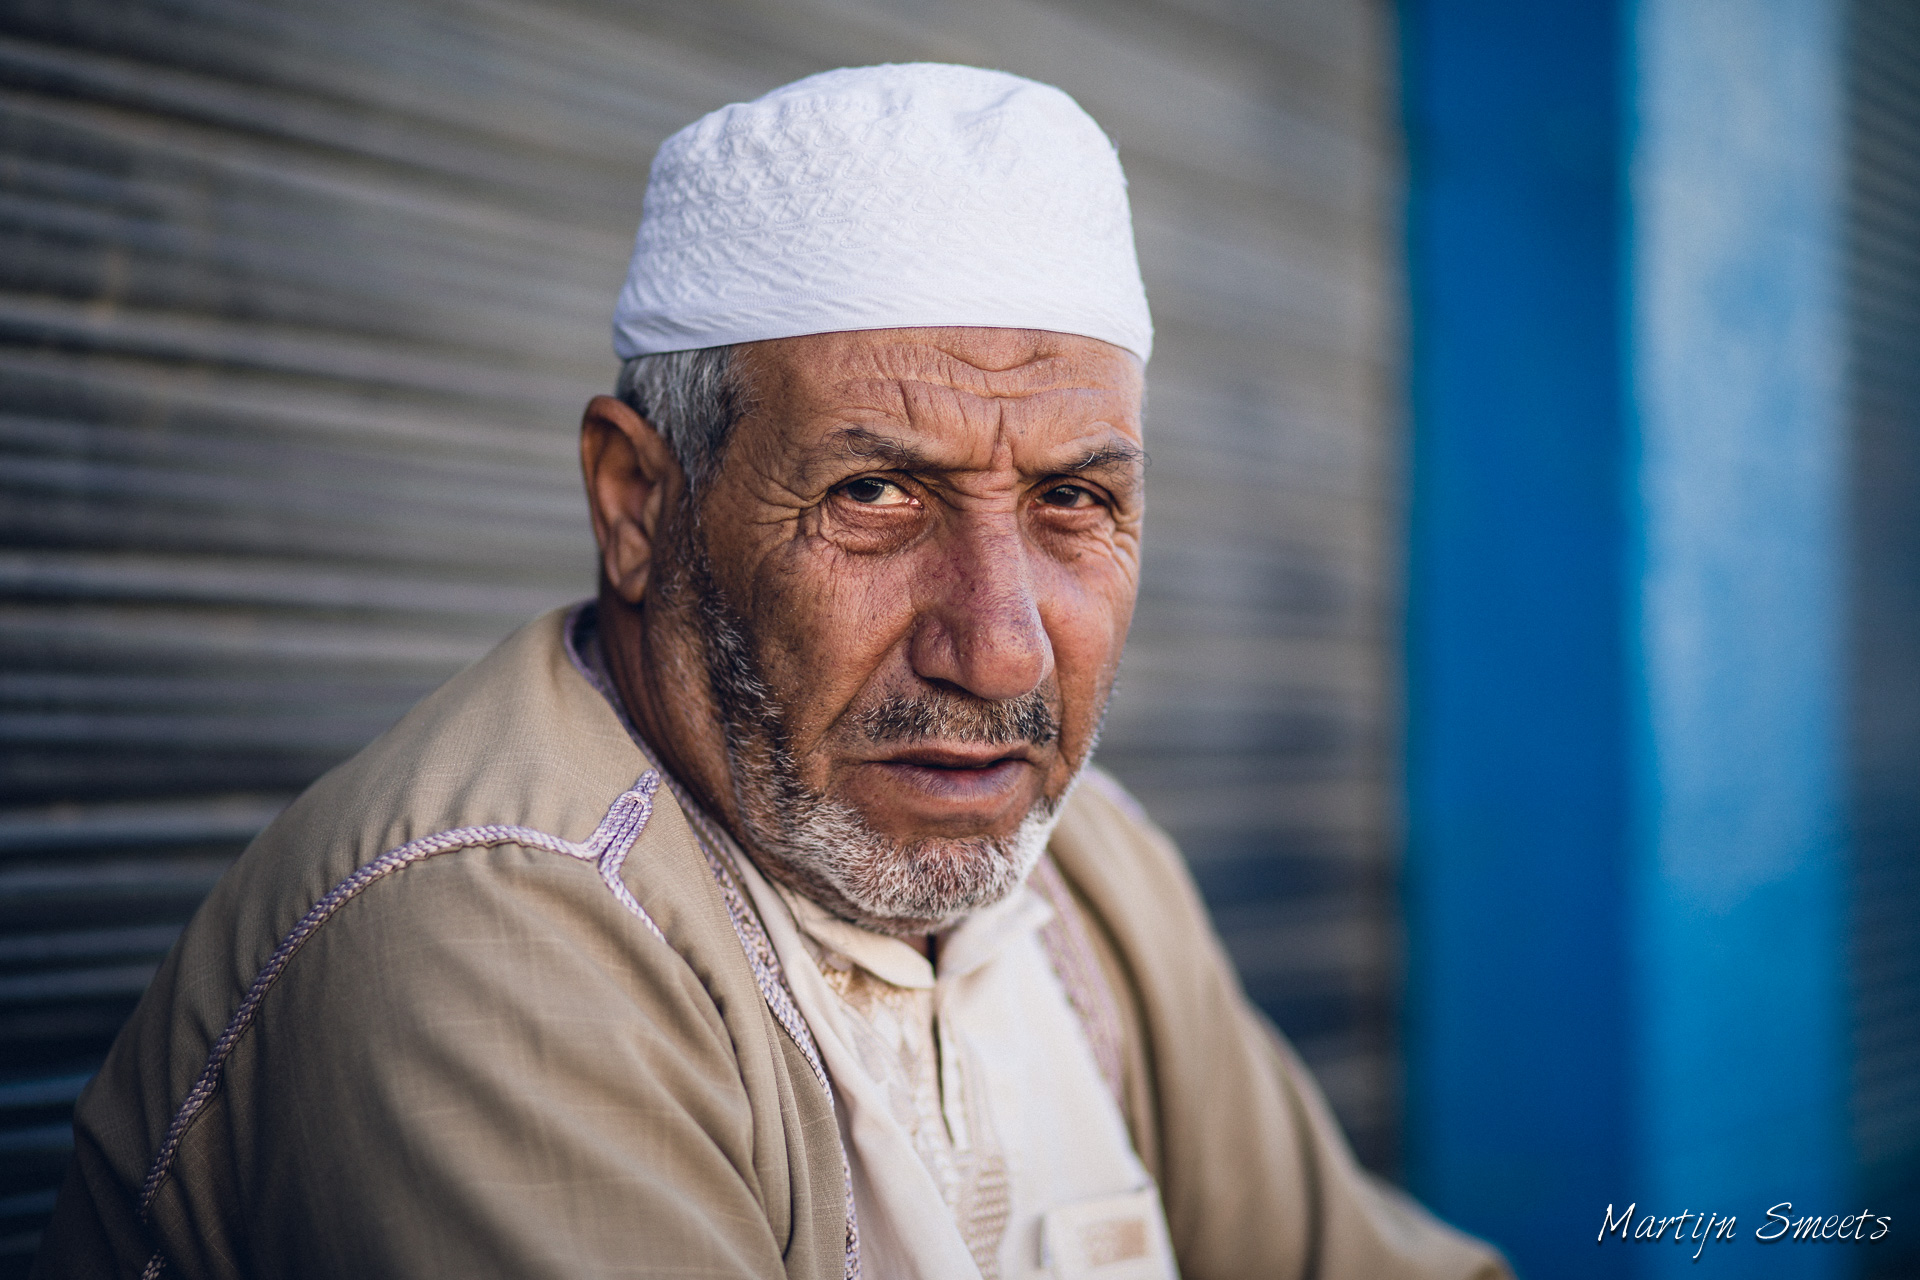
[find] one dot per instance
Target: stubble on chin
(825, 849)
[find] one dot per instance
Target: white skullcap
(879, 198)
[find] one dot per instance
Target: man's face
(912, 576)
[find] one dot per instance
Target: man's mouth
(968, 775)
(929, 757)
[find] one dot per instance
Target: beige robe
(535, 1047)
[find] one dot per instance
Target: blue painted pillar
(1518, 777)
(1624, 877)
(1738, 866)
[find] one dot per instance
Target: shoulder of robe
(1133, 878)
(1105, 840)
(518, 739)
(1254, 1173)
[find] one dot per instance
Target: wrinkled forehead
(924, 376)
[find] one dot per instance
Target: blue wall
(1624, 877)
(1517, 717)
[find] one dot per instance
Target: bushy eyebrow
(898, 455)
(1119, 453)
(871, 446)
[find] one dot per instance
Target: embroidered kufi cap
(885, 197)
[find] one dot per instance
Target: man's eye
(869, 491)
(1067, 495)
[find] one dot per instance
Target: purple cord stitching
(607, 848)
(771, 978)
(1070, 950)
(767, 972)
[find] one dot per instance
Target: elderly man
(764, 917)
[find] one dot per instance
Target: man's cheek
(1088, 632)
(829, 631)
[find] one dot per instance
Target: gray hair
(693, 399)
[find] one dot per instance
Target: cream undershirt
(970, 1102)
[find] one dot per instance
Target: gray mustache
(956, 718)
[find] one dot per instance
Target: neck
(663, 689)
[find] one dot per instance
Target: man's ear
(631, 476)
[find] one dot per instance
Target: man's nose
(979, 627)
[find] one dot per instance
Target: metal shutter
(298, 306)
(1884, 287)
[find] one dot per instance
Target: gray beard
(825, 849)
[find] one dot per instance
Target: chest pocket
(1114, 1238)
